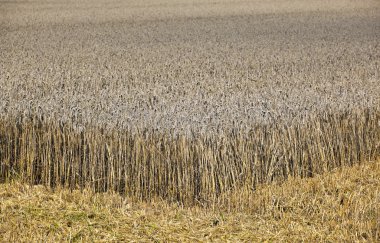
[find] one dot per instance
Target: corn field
(186, 101)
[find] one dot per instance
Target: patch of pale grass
(342, 205)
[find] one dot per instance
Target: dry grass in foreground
(340, 206)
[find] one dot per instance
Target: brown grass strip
(338, 206)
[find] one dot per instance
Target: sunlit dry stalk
(188, 170)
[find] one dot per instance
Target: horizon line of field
(200, 170)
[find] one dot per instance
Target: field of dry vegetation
(342, 206)
(195, 103)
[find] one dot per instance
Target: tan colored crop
(196, 170)
(186, 101)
